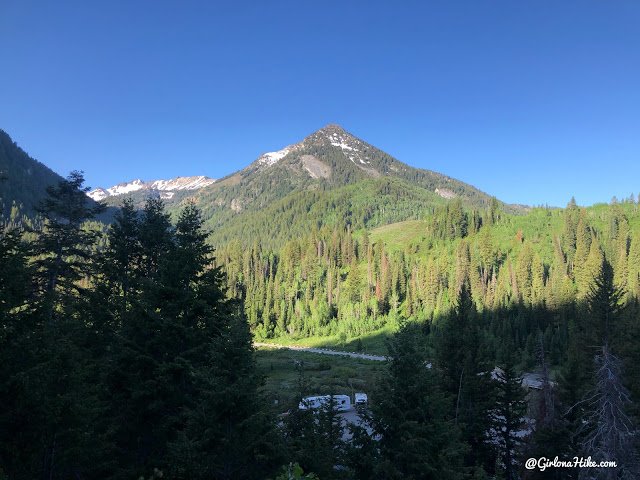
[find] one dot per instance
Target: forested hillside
(26, 179)
(122, 342)
(341, 280)
(24, 182)
(541, 292)
(128, 354)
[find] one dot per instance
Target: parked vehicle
(361, 399)
(342, 402)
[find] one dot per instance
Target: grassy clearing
(397, 235)
(372, 343)
(323, 375)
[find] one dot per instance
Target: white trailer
(342, 402)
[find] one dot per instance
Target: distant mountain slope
(366, 204)
(280, 193)
(25, 179)
(330, 177)
(165, 188)
(330, 166)
(327, 159)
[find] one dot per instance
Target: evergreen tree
(227, 433)
(314, 435)
(410, 416)
(15, 279)
(509, 416)
(353, 283)
(54, 418)
(537, 281)
(524, 276)
(119, 267)
(63, 248)
(156, 237)
(633, 281)
(465, 375)
(488, 251)
(604, 310)
(178, 307)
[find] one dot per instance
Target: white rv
(342, 402)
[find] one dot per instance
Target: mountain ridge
(322, 152)
(23, 179)
(278, 194)
(163, 187)
(308, 161)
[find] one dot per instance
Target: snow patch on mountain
(162, 186)
(273, 157)
(349, 145)
(182, 183)
(343, 146)
(123, 188)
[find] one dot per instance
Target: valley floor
(286, 371)
(372, 343)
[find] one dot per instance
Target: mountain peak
(334, 136)
(332, 128)
(332, 133)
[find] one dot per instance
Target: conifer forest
(126, 350)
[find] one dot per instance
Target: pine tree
(15, 326)
(592, 268)
(465, 376)
(524, 276)
(353, 283)
(537, 281)
(633, 281)
(583, 243)
(604, 309)
(156, 237)
(227, 432)
(409, 414)
(571, 220)
(15, 277)
(463, 262)
(54, 416)
(175, 311)
(121, 262)
(606, 431)
(63, 248)
(509, 416)
(488, 252)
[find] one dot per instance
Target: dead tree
(609, 433)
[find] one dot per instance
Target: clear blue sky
(531, 101)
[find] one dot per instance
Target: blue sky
(531, 101)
